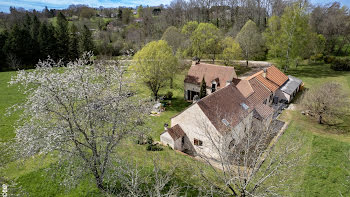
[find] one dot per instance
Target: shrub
(169, 95)
(154, 147)
(341, 64)
(328, 59)
(317, 57)
(149, 140)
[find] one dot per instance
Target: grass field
(323, 172)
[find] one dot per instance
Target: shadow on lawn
(315, 71)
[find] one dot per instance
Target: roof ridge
(254, 75)
(214, 65)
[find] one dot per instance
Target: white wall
(166, 139)
(196, 125)
(281, 95)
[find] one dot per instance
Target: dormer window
(213, 86)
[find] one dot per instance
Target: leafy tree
(272, 36)
(203, 90)
(173, 37)
(139, 11)
(154, 64)
(294, 36)
(62, 36)
(205, 40)
(232, 51)
(73, 43)
(87, 43)
(81, 114)
(189, 28)
(251, 41)
(317, 45)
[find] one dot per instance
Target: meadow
(323, 172)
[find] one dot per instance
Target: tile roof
(245, 88)
(210, 72)
(176, 132)
(235, 81)
(276, 76)
(224, 104)
(263, 111)
(267, 83)
(260, 94)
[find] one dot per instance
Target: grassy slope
(8, 97)
(322, 173)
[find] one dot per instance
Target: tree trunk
(171, 82)
(247, 63)
(320, 119)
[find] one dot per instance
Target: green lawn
(322, 173)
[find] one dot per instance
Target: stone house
(218, 120)
(215, 76)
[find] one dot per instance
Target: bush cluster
(341, 64)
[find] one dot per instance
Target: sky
(61, 4)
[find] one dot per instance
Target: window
(198, 142)
(265, 101)
(244, 106)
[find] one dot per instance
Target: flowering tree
(80, 112)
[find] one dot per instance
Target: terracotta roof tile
(261, 93)
(276, 76)
(263, 110)
(267, 83)
(176, 132)
(254, 75)
(211, 72)
(245, 88)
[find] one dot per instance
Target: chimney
(264, 74)
(196, 99)
(166, 126)
(195, 60)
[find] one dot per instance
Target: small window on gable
(244, 106)
(198, 142)
(226, 123)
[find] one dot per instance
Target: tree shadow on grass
(315, 71)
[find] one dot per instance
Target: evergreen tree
(203, 90)
(86, 40)
(73, 43)
(3, 37)
(17, 45)
(34, 31)
(27, 21)
(62, 36)
(47, 41)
